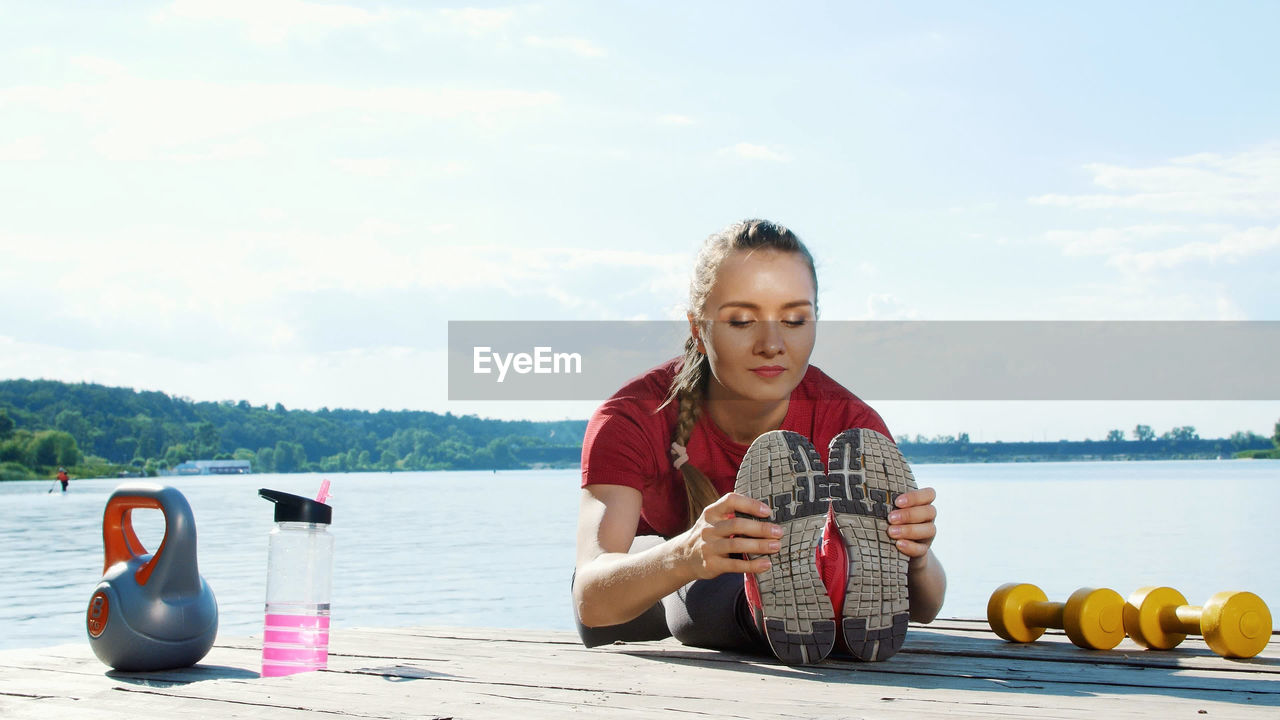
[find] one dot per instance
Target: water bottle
(295, 636)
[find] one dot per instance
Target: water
(496, 550)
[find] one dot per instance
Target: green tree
(207, 441)
(6, 425)
(1143, 433)
(1115, 436)
(1276, 437)
(73, 422)
(1184, 432)
(54, 447)
(265, 460)
(176, 455)
(388, 460)
(290, 457)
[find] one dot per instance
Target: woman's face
(761, 329)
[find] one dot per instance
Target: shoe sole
(866, 473)
(783, 470)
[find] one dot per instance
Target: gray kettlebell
(150, 611)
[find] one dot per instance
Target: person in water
(64, 478)
(702, 474)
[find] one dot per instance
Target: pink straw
(323, 495)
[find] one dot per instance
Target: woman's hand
(911, 524)
(719, 537)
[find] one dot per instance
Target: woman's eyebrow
(753, 306)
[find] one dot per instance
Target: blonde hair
(689, 387)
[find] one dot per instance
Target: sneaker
(866, 474)
(789, 602)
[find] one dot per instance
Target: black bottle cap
(295, 508)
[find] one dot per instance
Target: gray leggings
(705, 613)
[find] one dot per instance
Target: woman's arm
(912, 527)
(611, 586)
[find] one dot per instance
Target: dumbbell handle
(1183, 618)
(1044, 614)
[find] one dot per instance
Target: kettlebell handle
(173, 564)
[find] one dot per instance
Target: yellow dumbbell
(1234, 624)
(1020, 612)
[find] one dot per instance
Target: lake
(486, 549)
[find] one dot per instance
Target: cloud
(95, 65)
(1107, 240)
(1246, 183)
(675, 120)
(885, 306)
(379, 167)
(756, 152)
(275, 22)
(272, 22)
(183, 292)
(1142, 248)
(576, 45)
(1230, 247)
(478, 20)
(23, 149)
(126, 120)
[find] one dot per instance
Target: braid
(698, 490)
(688, 391)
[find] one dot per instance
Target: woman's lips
(769, 370)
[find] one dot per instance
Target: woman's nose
(769, 342)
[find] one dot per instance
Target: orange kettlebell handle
(120, 541)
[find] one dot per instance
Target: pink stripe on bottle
(273, 670)
(297, 621)
(296, 637)
(317, 657)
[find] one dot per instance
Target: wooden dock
(950, 668)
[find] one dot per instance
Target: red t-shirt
(628, 441)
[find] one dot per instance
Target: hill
(54, 423)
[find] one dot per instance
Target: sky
(287, 200)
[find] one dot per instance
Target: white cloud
(675, 120)
(478, 20)
(242, 289)
(1107, 241)
(23, 149)
(275, 22)
(756, 152)
(95, 65)
(575, 45)
(126, 120)
(238, 149)
(379, 167)
(272, 22)
(1230, 247)
(885, 306)
(1246, 183)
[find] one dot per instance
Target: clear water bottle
(295, 636)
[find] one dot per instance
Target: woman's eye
(795, 322)
(739, 323)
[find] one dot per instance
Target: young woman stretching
(737, 497)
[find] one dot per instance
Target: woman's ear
(696, 333)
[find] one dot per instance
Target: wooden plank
(474, 673)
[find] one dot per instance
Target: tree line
(105, 430)
(100, 431)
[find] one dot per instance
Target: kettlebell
(150, 611)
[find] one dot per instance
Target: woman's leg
(714, 614)
(651, 625)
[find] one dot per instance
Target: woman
(664, 537)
